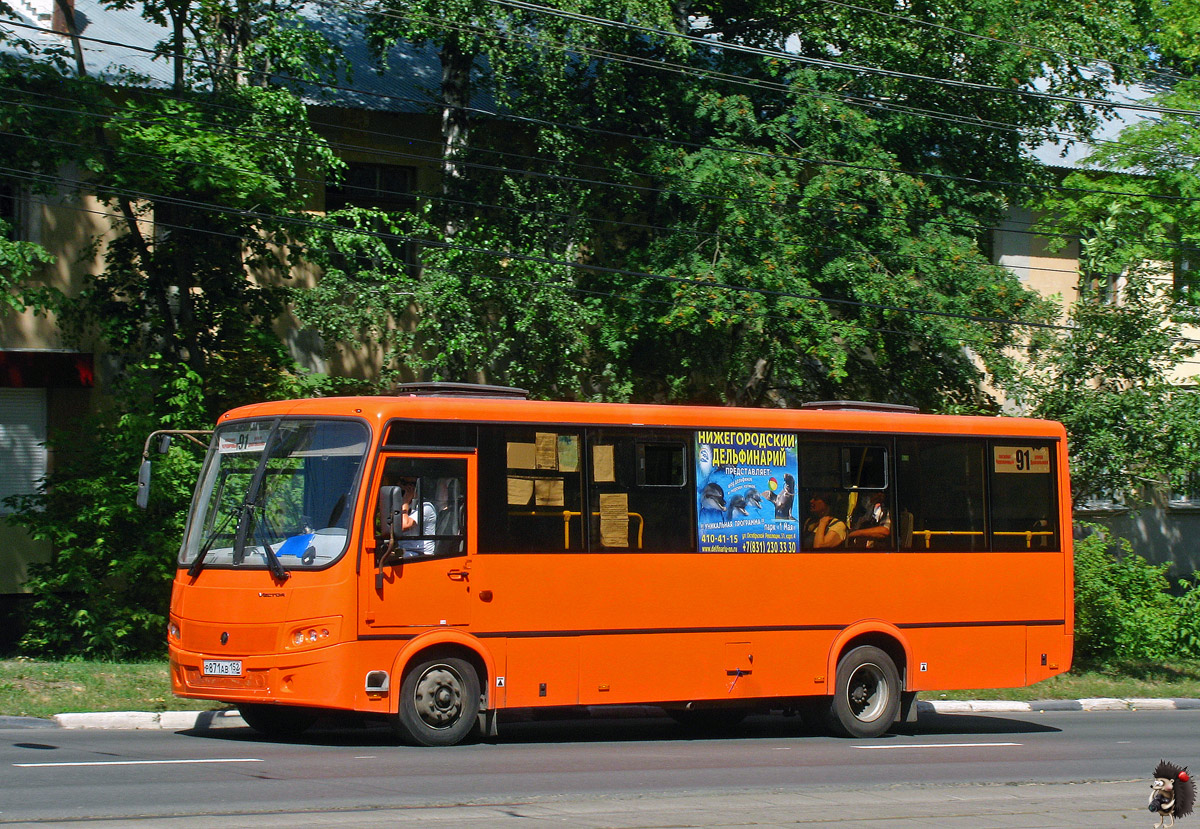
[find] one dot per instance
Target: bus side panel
(967, 657)
(542, 671)
(702, 666)
(1047, 653)
(661, 627)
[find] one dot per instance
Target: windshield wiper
(253, 495)
(273, 563)
(198, 564)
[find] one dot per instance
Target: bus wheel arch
(868, 670)
(442, 695)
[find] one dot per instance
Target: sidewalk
(229, 718)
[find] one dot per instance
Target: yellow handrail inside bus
(1028, 535)
(930, 533)
(569, 514)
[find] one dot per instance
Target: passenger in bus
(872, 526)
(823, 530)
(414, 523)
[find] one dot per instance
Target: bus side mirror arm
(391, 504)
(164, 436)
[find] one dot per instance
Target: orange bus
(453, 551)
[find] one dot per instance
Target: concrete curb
(1094, 704)
(170, 720)
(204, 720)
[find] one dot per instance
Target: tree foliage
(1124, 605)
(1120, 377)
(184, 316)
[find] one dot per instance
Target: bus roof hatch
(860, 405)
(442, 389)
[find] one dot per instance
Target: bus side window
(1024, 496)
(531, 490)
(437, 488)
(640, 493)
(823, 506)
(940, 484)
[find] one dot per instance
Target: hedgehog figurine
(1172, 794)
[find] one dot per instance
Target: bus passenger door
(415, 568)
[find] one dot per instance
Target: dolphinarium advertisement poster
(746, 492)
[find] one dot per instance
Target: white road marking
(138, 762)
(940, 745)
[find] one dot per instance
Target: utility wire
(524, 257)
(792, 57)
(874, 105)
(899, 218)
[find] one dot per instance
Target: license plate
(222, 667)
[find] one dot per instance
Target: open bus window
(422, 508)
(302, 505)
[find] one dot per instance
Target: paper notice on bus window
(520, 490)
(548, 492)
(522, 455)
(568, 453)
(547, 450)
(602, 463)
(614, 519)
(1022, 459)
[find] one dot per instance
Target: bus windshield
(276, 488)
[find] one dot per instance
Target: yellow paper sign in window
(614, 519)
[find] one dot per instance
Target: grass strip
(30, 688)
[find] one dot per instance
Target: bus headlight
(312, 635)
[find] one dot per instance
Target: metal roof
(119, 44)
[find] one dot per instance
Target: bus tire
(439, 702)
(280, 721)
(866, 696)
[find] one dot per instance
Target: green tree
(223, 168)
(695, 220)
(1121, 377)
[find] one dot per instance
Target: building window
(8, 212)
(1186, 278)
(1187, 494)
(383, 186)
(22, 442)
(1105, 500)
(1102, 289)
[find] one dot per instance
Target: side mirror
(164, 444)
(143, 493)
(391, 504)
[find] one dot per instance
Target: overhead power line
(781, 55)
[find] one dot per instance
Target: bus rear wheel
(439, 702)
(866, 697)
(281, 721)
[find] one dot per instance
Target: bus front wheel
(439, 702)
(866, 697)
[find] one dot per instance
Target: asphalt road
(1003, 770)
